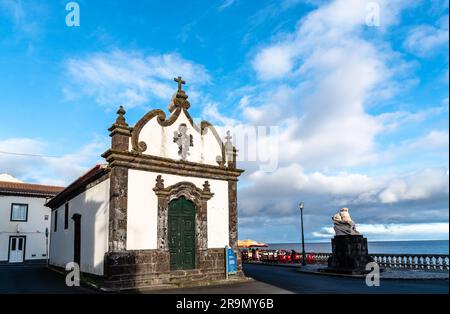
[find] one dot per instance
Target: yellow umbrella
(250, 243)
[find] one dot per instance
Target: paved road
(289, 279)
(34, 279)
(270, 279)
(252, 287)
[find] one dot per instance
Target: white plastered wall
(142, 209)
(160, 143)
(33, 229)
(93, 205)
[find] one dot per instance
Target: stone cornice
(119, 129)
(138, 161)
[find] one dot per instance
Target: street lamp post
(302, 205)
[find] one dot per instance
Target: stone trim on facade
(118, 200)
(181, 105)
(192, 193)
(118, 203)
(169, 166)
(232, 213)
(232, 224)
(151, 268)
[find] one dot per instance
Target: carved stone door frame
(191, 192)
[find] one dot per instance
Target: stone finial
(230, 151)
(120, 132)
(206, 187)
(220, 161)
(229, 145)
(121, 119)
(159, 182)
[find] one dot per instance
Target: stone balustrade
(430, 262)
(320, 257)
(425, 262)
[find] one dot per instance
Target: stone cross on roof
(180, 83)
(180, 97)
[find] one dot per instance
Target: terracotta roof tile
(77, 186)
(28, 189)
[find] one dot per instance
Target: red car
(284, 257)
(310, 258)
(296, 257)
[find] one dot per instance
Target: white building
(160, 212)
(24, 219)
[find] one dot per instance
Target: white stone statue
(343, 223)
(183, 140)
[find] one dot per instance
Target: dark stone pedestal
(350, 255)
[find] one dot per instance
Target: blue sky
(362, 110)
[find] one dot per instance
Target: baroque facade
(160, 212)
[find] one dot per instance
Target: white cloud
(319, 183)
(9, 178)
(392, 121)
(390, 232)
(272, 198)
(20, 166)
(318, 84)
(332, 74)
(211, 112)
(29, 146)
(273, 62)
(433, 139)
(26, 17)
(226, 4)
(39, 168)
(434, 144)
(332, 25)
(130, 78)
(423, 185)
(425, 40)
(70, 166)
(357, 187)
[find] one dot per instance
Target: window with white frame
(19, 212)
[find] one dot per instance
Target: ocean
(388, 247)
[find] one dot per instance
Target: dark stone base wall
(350, 255)
(151, 268)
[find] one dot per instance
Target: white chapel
(159, 212)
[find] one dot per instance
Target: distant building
(24, 219)
(159, 213)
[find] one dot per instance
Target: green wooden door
(182, 234)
